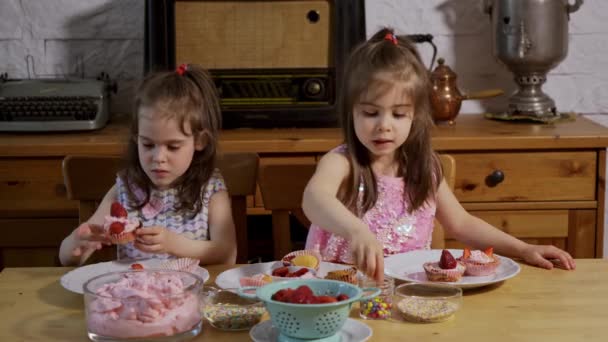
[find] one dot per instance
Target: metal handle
(495, 178)
(575, 6)
(487, 7)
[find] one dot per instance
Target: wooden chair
(240, 173)
(448, 164)
(88, 178)
(282, 186)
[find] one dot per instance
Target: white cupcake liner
(287, 258)
(180, 264)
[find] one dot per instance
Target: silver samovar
(530, 37)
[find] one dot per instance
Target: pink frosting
(480, 257)
(130, 224)
(143, 304)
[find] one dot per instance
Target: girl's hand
(540, 255)
(155, 239)
(367, 254)
(89, 236)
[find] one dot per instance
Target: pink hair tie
(391, 37)
(181, 70)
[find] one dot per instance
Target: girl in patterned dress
(378, 193)
(171, 184)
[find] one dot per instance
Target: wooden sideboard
(552, 189)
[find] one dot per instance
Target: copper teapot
(445, 96)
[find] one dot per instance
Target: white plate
(352, 331)
(230, 278)
(408, 267)
(75, 279)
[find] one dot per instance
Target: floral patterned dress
(160, 211)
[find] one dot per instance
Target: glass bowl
(155, 305)
(426, 302)
(226, 310)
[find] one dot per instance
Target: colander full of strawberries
(309, 308)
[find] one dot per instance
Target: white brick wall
(106, 35)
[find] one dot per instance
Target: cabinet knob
(495, 178)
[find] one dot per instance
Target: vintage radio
(275, 63)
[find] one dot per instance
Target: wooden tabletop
(469, 133)
(536, 305)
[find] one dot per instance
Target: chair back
(240, 171)
(282, 185)
(88, 178)
(448, 165)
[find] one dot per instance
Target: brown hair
(190, 97)
(418, 164)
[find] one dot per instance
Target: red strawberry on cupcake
(446, 269)
(119, 226)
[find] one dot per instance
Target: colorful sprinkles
(376, 308)
(233, 317)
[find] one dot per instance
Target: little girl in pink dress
(388, 219)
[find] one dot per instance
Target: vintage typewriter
(53, 104)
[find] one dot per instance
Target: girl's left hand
(546, 256)
(155, 239)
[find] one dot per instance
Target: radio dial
(313, 88)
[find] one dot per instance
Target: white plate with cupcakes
(462, 268)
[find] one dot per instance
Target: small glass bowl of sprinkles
(224, 309)
(425, 302)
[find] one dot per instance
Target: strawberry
(299, 273)
(117, 210)
(466, 253)
(447, 261)
(489, 251)
(280, 272)
(117, 228)
(326, 299)
(137, 266)
(342, 297)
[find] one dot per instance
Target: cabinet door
(532, 176)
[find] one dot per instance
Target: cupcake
(479, 263)
(348, 275)
(305, 258)
(447, 269)
(119, 227)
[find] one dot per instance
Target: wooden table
(537, 305)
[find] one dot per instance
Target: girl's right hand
(89, 236)
(367, 254)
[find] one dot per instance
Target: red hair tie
(391, 37)
(181, 70)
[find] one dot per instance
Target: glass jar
(379, 307)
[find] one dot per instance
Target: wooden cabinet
(551, 189)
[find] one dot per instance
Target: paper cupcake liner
(347, 276)
(480, 269)
(122, 238)
(180, 264)
(287, 258)
(434, 273)
(256, 281)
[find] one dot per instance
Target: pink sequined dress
(389, 220)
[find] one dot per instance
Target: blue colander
(310, 321)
